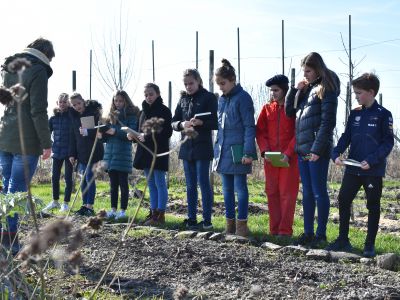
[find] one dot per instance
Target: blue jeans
(232, 183)
(158, 189)
(196, 171)
(88, 196)
(315, 193)
(55, 178)
(13, 171)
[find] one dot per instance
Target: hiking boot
(153, 221)
(190, 224)
(241, 228)
(369, 250)
(161, 217)
(52, 205)
(205, 226)
(304, 239)
(9, 234)
(89, 212)
(319, 242)
(230, 227)
(64, 207)
(147, 218)
(340, 244)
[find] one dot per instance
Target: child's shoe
(64, 207)
(120, 215)
(52, 205)
(111, 214)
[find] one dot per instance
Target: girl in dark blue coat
(197, 153)
(118, 151)
(314, 103)
(59, 125)
(236, 127)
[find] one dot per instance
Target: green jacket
(35, 124)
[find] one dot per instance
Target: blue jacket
(118, 151)
(236, 125)
(369, 133)
(59, 125)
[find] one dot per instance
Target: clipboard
(87, 122)
(202, 115)
(275, 158)
(130, 130)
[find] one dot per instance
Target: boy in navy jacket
(369, 133)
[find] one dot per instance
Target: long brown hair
(130, 108)
(329, 80)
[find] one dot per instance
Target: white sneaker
(64, 207)
(121, 214)
(111, 214)
(52, 205)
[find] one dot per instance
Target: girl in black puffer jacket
(314, 102)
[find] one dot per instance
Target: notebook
(237, 154)
(275, 158)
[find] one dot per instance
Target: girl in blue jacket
(118, 151)
(59, 125)
(236, 126)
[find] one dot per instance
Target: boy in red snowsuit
(275, 132)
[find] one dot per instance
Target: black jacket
(143, 158)
(80, 146)
(315, 119)
(200, 148)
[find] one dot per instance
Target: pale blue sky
(75, 27)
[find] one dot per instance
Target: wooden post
(211, 90)
(152, 55)
(197, 50)
(73, 80)
(170, 107)
(283, 47)
(119, 67)
(380, 98)
(292, 77)
(90, 75)
(238, 49)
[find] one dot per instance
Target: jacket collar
(147, 107)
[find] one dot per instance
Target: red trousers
(281, 186)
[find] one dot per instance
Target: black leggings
(119, 179)
(373, 189)
(55, 178)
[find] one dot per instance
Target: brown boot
(161, 217)
(148, 217)
(154, 219)
(242, 229)
(230, 226)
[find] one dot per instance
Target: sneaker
(121, 215)
(319, 242)
(111, 214)
(190, 224)
(64, 207)
(369, 250)
(89, 212)
(52, 205)
(340, 244)
(81, 211)
(206, 226)
(304, 239)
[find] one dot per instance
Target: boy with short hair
(369, 133)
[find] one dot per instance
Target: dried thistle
(50, 234)
(190, 133)
(75, 241)
(18, 64)
(99, 167)
(18, 91)
(152, 125)
(102, 213)
(75, 259)
(94, 223)
(5, 96)
(180, 292)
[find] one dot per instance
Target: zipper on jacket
(277, 130)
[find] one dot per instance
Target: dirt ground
(158, 265)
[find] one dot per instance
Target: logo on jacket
(358, 118)
(370, 186)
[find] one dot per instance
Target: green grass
(258, 223)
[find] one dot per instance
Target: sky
(76, 27)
